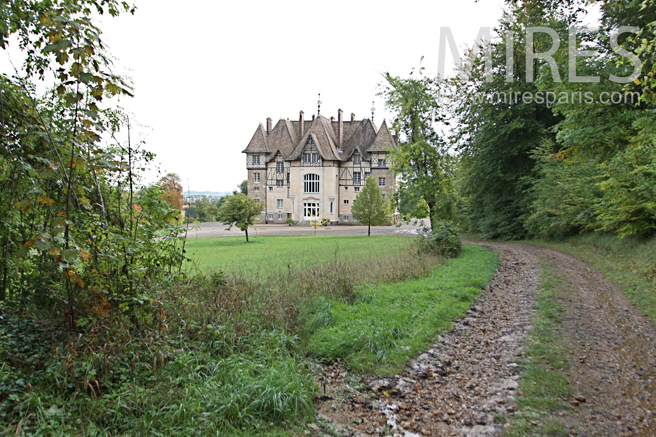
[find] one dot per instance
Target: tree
(422, 158)
(369, 208)
(241, 211)
(172, 190)
(243, 187)
(206, 210)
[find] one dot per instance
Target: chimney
(312, 117)
(352, 117)
(301, 124)
(332, 119)
(268, 125)
(340, 128)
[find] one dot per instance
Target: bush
(444, 240)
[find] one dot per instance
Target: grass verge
(386, 324)
(543, 383)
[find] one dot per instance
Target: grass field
(271, 254)
(387, 324)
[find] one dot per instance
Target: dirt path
(470, 376)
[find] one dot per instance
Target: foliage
(369, 208)
(206, 211)
(241, 211)
(497, 134)
(387, 324)
(422, 160)
(443, 239)
(171, 186)
(243, 187)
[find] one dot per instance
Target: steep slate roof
(362, 137)
(282, 138)
(359, 135)
(383, 140)
(258, 143)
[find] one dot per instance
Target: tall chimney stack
(268, 125)
(352, 117)
(301, 125)
(340, 129)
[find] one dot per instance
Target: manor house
(306, 169)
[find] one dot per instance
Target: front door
(310, 210)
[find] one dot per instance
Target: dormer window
(256, 159)
(382, 163)
(310, 157)
(356, 159)
(280, 167)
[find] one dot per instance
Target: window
(280, 183)
(346, 218)
(256, 189)
(311, 183)
(357, 189)
(310, 157)
(270, 188)
(366, 174)
(271, 216)
(331, 207)
(382, 163)
(346, 201)
(280, 167)
(256, 178)
(381, 182)
(310, 210)
(257, 200)
(279, 203)
(280, 216)
(357, 178)
(256, 159)
(287, 177)
(356, 159)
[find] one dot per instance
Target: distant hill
(207, 193)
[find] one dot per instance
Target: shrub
(444, 240)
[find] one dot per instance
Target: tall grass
(218, 353)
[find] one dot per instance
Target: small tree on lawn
(369, 208)
(239, 210)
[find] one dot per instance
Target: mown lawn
(277, 253)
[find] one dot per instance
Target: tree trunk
(246, 235)
(369, 230)
(432, 213)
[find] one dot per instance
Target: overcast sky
(206, 73)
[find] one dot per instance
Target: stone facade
(304, 169)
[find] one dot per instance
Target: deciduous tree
(369, 208)
(171, 186)
(422, 159)
(241, 211)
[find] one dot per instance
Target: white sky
(206, 73)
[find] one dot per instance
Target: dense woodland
(561, 167)
(93, 259)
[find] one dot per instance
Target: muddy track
(468, 381)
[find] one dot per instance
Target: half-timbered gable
(314, 168)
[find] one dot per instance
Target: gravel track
(457, 387)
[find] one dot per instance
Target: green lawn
(273, 253)
(387, 324)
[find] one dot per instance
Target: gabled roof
(323, 136)
(282, 138)
(384, 140)
(258, 143)
(362, 137)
